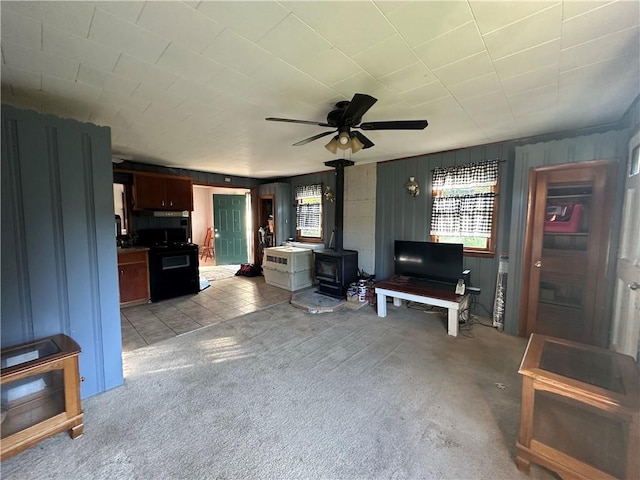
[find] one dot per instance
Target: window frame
(490, 250)
(299, 236)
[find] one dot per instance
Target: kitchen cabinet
(133, 276)
(162, 192)
(40, 392)
(566, 251)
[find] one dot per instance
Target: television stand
(402, 288)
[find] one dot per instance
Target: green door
(230, 227)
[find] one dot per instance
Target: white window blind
(309, 210)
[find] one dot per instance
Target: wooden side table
(580, 410)
(39, 392)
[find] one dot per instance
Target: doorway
(203, 218)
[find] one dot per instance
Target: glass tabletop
(28, 353)
(591, 367)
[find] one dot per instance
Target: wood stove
(336, 269)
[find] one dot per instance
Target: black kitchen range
(173, 262)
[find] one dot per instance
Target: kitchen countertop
(132, 249)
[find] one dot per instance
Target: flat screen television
(437, 262)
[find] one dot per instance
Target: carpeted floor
(283, 394)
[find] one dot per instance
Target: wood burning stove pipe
(339, 165)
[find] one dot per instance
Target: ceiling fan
(347, 116)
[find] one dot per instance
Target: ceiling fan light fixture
(356, 144)
(344, 141)
(332, 146)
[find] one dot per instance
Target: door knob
(537, 264)
(634, 285)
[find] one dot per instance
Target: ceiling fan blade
(289, 120)
(395, 125)
(365, 141)
(358, 106)
(315, 137)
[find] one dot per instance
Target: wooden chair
(206, 249)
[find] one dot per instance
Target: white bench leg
(382, 305)
(453, 322)
(397, 301)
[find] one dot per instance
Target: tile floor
(224, 299)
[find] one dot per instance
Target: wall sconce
(328, 194)
(413, 187)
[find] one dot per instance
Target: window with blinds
(309, 212)
(465, 207)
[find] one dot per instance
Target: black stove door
(173, 273)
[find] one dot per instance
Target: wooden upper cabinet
(566, 251)
(180, 194)
(162, 192)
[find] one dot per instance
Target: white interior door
(626, 315)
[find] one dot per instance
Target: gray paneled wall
(600, 146)
(399, 216)
(59, 267)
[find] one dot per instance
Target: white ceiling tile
(493, 15)
(362, 83)
(494, 103)
(602, 21)
(465, 69)
(128, 10)
(293, 41)
(425, 93)
(66, 89)
(75, 17)
(180, 23)
(408, 78)
(188, 63)
(23, 31)
(126, 102)
(80, 49)
(527, 81)
(251, 19)
(148, 94)
(477, 86)
(234, 51)
(193, 90)
(545, 55)
(38, 61)
(126, 37)
(534, 100)
(105, 80)
(625, 42)
(578, 7)
(237, 83)
(350, 26)
(146, 73)
(455, 45)
(282, 77)
(592, 77)
(329, 66)
(439, 106)
(419, 22)
(533, 30)
(21, 78)
(387, 7)
(388, 56)
(539, 122)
